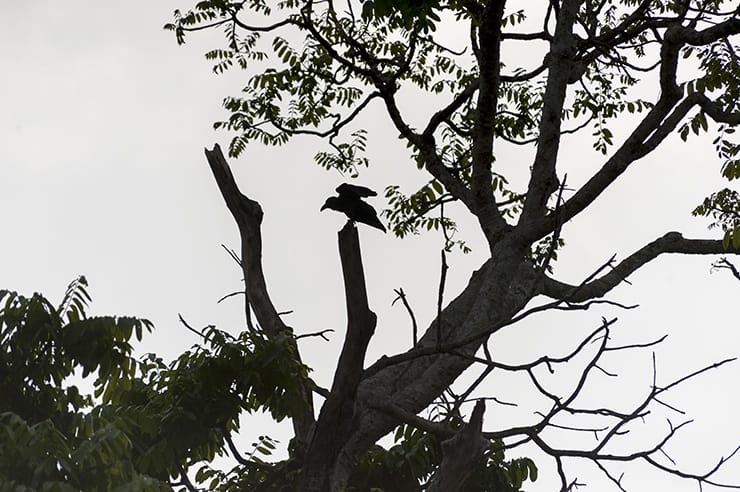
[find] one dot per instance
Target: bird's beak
(323, 207)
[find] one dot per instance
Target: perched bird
(351, 204)
(354, 190)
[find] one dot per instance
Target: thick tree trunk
(495, 293)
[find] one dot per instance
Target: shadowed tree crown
(451, 79)
(648, 68)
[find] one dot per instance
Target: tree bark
(248, 216)
(495, 293)
(337, 420)
(461, 453)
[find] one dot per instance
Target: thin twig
(237, 293)
(724, 263)
(321, 334)
(440, 296)
(402, 296)
(247, 305)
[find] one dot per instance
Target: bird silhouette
(349, 201)
(354, 190)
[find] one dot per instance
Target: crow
(350, 203)
(354, 190)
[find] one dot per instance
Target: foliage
(724, 208)
(318, 84)
(320, 65)
(411, 461)
(147, 421)
(53, 437)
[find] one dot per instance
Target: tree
(326, 66)
(327, 63)
(53, 436)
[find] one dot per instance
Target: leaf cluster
(53, 438)
(410, 463)
(147, 421)
(724, 209)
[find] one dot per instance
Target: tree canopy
(624, 75)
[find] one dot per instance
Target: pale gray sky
(103, 121)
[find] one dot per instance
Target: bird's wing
(355, 190)
(365, 213)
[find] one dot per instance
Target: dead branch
(247, 214)
(671, 242)
(724, 263)
(336, 420)
(415, 329)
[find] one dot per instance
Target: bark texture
(461, 453)
(248, 217)
(337, 420)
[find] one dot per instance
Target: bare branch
(248, 217)
(321, 334)
(402, 296)
(724, 263)
(337, 420)
(271, 27)
(671, 242)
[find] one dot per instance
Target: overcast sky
(103, 121)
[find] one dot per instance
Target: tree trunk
(494, 294)
(336, 420)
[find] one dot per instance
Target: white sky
(103, 121)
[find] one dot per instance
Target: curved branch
(671, 242)
(444, 113)
(338, 125)
(248, 216)
(426, 145)
(269, 28)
